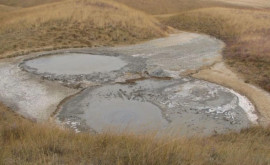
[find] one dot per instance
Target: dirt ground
(221, 74)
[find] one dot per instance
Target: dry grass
(252, 3)
(246, 33)
(75, 23)
(5, 9)
(170, 6)
(26, 3)
(157, 7)
(23, 142)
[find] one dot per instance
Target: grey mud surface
(137, 88)
(75, 64)
(184, 106)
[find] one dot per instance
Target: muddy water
(75, 64)
(182, 107)
(102, 114)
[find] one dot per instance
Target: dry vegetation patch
(23, 142)
(74, 23)
(170, 6)
(251, 3)
(5, 9)
(246, 33)
(26, 3)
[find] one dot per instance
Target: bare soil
(221, 74)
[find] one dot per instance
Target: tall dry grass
(262, 4)
(23, 142)
(26, 3)
(75, 23)
(171, 6)
(5, 9)
(246, 33)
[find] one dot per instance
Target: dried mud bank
(221, 74)
(28, 94)
(140, 89)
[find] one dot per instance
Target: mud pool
(74, 64)
(190, 106)
(137, 88)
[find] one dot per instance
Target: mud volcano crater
(182, 106)
(75, 64)
(75, 69)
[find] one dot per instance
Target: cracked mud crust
(221, 74)
(150, 73)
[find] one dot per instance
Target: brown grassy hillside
(246, 33)
(170, 6)
(26, 3)
(6, 9)
(74, 23)
(157, 7)
(252, 3)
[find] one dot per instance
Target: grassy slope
(170, 6)
(23, 142)
(75, 23)
(157, 7)
(5, 9)
(246, 32)
(26, 3)
(252, 3)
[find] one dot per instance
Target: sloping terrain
(243, 25)
(170, 6)
(6, 9)
(26, 3)
(252, 3)
(157, 7)
(75, 24)
(246, 33)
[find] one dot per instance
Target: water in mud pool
(75, 64)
